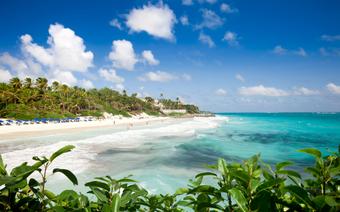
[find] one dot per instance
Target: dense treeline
(29, 99)
(248, 186)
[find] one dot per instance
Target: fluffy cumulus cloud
(184, 20)
(115, 23)
(111, 76)
(231, 38)
(157, 76)
(206, 39)
(261, 90)
(149, 58)
(221, 92)
(330, 38)
(65, 54)
(123, 55)
(5, 75)
(240, 77)
(156, 20)
(210, 20)
(86, 84)
(333, 88)
(303, 91)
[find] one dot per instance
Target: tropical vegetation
(248, 186)
(28, 99)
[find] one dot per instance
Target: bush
(248, 186)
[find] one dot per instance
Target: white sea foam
(87, 149)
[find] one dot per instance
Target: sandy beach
(19, 131)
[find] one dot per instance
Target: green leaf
(314, 152)
(49, 194)
(101, 195)
(300, 194)
(281, 165)
(2, 167)
(98, 184)
(239, 198)
(290, 173)
(61, 151)
(68, 174)
(115, 203)
(205, 174)
(181, 191)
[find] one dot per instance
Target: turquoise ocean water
(164, 157)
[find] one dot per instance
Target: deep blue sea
(164, 157)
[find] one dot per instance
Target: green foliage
(248, 186)
(30, 99)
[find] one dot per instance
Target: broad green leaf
(281, 165)
(316, 153)
(300, 194)
(239, 198)
(101, 195)
(2, 167)
(49, 194)
(205, 174)
(68, 174)
(61, 151)
(181, 191)
(98, 184)
(115, 203)
(290, 173)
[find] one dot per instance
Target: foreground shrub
(248, 186)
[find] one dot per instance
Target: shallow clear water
(163, 157)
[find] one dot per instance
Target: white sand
(15, 131)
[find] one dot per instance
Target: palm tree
(15, 83)
(55, 85)
(28, 82)
(41, 83)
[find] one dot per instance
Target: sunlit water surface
(163, 157)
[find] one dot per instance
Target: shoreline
(19, 131)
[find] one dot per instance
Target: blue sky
(223, 55)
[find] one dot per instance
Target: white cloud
(333, 88)
(86, 84)
(226, 8)
(66, 52)
(231, 38)
(186, 77)
(187, 2)
(240, 77)
(120, 87)
(206, 39)
(221, 92)
(157, 21)
(157, 76)
(111, 76)
(116, 23)
(279, 50)
(330, 38)
(210, 20)
(305, 91)
(330, 51)
(150, 59)
(122, 55)
(5, 75)
(65, 77)
(184, 20)
(261, 90)
(301, 52)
